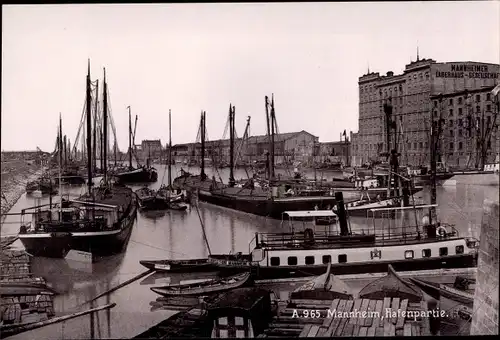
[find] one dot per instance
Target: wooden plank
(389, 329)
(321, 332)
(343, 321)
(379, 318)
(313, 331)
(379, 331)
(328, 320)
(395, 308)
(348, 329)
(387, 305)
(305, 331)
(336, 321)
(371, 308)
(415, 330)
(363, 331)
(364, 312)
(371, 330)
(325, 303)
(356, 329)
(355, 309)
(407, 330)
(401, 319)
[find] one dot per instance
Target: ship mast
(88, 132)
(231, 146)
(94, 131)
(129, 139)
(273, 124)
(105, 129)
(203, 130)
(170, 149)
(436, 129)
(60, 165)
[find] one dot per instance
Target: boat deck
(381, 321)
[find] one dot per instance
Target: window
(460, 122)
(451, 112)
(478, 109)
(489, 144)
(292, 260)
(488, 107)
(309, 259)
(451, 133)
(460, 100)
(426, 253)
(460, 111)
(275, 261)
(451, 146)
(420, 145)
(488, 96)
(342, 258)
(460, 145)
(435, 113)
(459, 249)
(478, 98)
(435, 103)
(443, 251)
(451, 122)
(409, 254)
(451, 101)
(415, 145)
(327, 259)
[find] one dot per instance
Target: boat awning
(311, 213)
(405, 208)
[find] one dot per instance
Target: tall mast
(231, 145)
(94, 132)
(273, 124)
(170, 149)
(269, 137)
(105, 128)
(65, 150)
(203, 116)
(129, 139)
(435, 133)
(60, 165)
(88, 132)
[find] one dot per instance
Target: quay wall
(485, 311)
(15, 175)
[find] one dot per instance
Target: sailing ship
(99, 222)
(141, 174)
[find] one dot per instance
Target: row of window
(416, 77)
(461, 112)
(342, 258)
(461, 99)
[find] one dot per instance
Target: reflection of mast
(233, 234)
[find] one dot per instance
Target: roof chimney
(390, 74)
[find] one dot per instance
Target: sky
(194, 57)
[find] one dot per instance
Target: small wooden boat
(25, 288)
(323, 287)
(178, 266)
(149, 200)
(438, 290)
(177, 206)
(391, 285)
(206, 287)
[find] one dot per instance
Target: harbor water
(178, 235)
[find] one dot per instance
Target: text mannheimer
(471, 71)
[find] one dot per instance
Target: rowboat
(178, 266)
(25, 288)
(206, 287)
(438, 290)
(391, 285)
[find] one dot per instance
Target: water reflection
(178, 235)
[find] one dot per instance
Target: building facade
(151, 148)
(334, 152)
(293, 146)
(412, 96)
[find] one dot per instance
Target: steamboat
(99, 222)
(307, 252)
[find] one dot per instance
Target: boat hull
(144, 176)
(266, 207)
(101, 243)
(281, 272)
(198, 265)
(153, 203)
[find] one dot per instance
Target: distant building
(292, 146)
(412, 96)
(151, 148)
(335, 152)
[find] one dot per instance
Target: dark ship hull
(138, 176)
(56, 239)
(263, 206)
(44, 187)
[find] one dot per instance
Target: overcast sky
(193, 57)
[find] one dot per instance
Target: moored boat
(149, 199)
(205, 287)
(438, 290)
(178, 266)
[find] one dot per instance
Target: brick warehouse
(413, 96)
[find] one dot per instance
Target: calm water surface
(178, 235)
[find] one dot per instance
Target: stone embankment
(15, 175)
